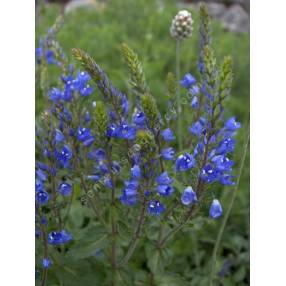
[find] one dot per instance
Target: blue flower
(226, 179)
(231, 124)
(87, 117)
(65, 189)
(80, 83)
(57, 238)
(209, 174)
(46, 262)
(194, 90)
(165, 190)
(197, 128)
(97, 154)
(225, 146)
(41, 175)
(155, 208)
(164, 179)
(188, 81)
(64, 156)
(127, 131)
(168, 135)
(185, 162)
(168, 153)
(50, 57)
(107, 182)
(55, 94)
(42, 197)
(83, 134)
(136, 172)
(128, 200)
(103, 167)
(195, 102)
(124, 105)
(113, 131)
(222, 163)
(59, 137)
(189, 196)
(39, 186)
(86, 90)
(215, 209)
(139, 118)
(199, 149)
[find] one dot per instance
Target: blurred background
(99, 27)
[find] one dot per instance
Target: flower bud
(182, 25)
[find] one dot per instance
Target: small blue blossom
(103, 167)
(124, 105)
(59, 136)
(231, 124)
(136, 172)
(155, 208)
(84, 135)
(127, 131)
(139, 118)
(168, 135)
(197, 128)
(168, 153)
(107, 182)
(165, 190)
(41, 175)
(209, 174)
(65, 189)
(195, 102)
(128, 200)
(64, 156)
(222, 163)
(188, 81)
(185, 162)
(215, 209)
(199, 149)
(96, 154)
(50, 57)
(194, 90)
(164, 179)
(226, 179)
(57, 238)
(189, 196)
(55, 94)
(39, 186)
(46, 262)
(225, 146)
(42, 197)
(113, 131)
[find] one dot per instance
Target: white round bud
(182, 25)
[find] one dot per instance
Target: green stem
(179, 107)
(223, 224)
(136, 235)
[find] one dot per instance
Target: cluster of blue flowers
(84, 141)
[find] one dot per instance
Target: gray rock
(235, 19)
(216, 10)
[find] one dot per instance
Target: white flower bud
(182, 25)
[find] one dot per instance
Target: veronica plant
(117, 155)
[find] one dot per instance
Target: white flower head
(182, 25)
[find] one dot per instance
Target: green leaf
(86, 249)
